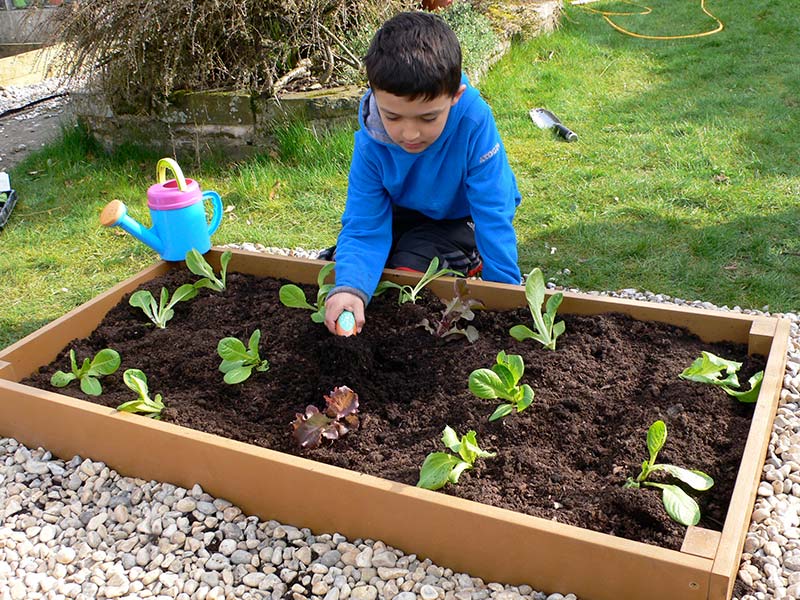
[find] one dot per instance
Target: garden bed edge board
(492, 543)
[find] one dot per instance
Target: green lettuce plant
(104, 362)
(502, 381)
(721, 372)
(160, 312)
(143, 404)
(239, 361)
(547, 330)
(198, 265)
(410, 293)
(441, 468)
(294, 297)
(679, 505)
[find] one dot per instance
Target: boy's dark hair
(413, 55)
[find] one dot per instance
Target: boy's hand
(343, 301)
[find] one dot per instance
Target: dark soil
(565, 458)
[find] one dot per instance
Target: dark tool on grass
(8, 198)
(544, 119)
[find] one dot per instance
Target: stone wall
(232, 124)
(29, 26)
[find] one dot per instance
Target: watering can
(177, 211)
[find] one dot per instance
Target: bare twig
(300, 70)
(356, 63)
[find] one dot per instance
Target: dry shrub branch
(144, 50)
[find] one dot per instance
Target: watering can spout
(115, 213)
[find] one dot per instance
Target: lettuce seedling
(238, 362)
(460, 306)
(340, 416)
(151, 407)
(547, 330)
(440, 468)
(161, 312)
(714, 370)
(294, 297)
(411, 293)
(198, 265)
(501, 381)
(680, 506)
(105, 362)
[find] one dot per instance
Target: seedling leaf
(441, 467)
(502, 381)
(691, 477)
(238, 360)
(90, 385)
(656, 438)
(546, 331)
(750, 395)
(293, 297)
(679, 505)
(436, 470)
(105, 362)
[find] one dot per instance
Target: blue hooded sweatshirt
(464, 173)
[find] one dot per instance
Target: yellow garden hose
(646, 10)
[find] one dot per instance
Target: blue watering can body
(177, 211)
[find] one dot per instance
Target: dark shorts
(417, 239)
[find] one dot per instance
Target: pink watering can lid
(174, 193)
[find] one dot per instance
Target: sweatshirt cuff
(350, 290)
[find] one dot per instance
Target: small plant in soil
(160, 312)
(502, 381)
(411, 293)
(547, 330)
(104, 362)
(459, 307)
(441, 468)
(143, 404)
(712, 369)
(340, 416)
(239, 361)
(198, 265)
(679, 505)
(294, 297)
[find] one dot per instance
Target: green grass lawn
(685, 180)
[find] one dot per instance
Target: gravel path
(77, 529)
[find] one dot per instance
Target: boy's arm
(493, 199)
(366, 235)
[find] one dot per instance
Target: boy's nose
(410, 134)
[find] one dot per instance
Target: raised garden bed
(609, 378)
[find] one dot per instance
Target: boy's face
(415, 124)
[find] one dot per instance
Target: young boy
(429, 175)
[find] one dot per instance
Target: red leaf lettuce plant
(460, 306)
(340, 416)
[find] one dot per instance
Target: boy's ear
(458, 94)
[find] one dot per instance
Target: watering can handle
(216, 203)
(161, 172)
